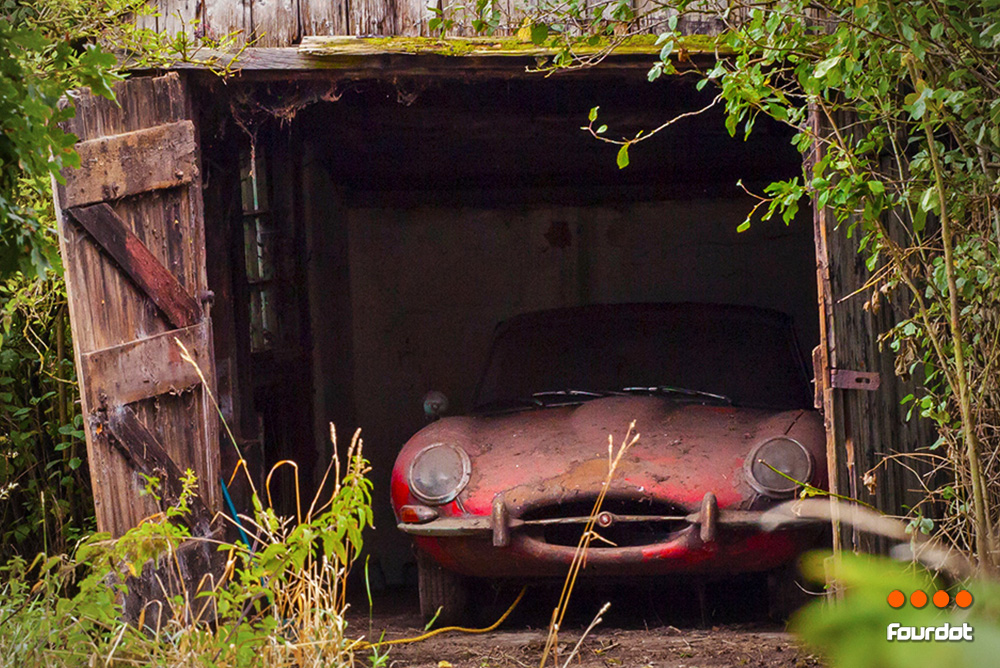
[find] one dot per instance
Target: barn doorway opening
(407, 219)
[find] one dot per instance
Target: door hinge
(855, 380)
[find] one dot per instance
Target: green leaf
(876, 187)
(744, 226)
(623, 156)
(602, 129)
(825, 66)
(593, 114)
(929, 200)
(539, 32)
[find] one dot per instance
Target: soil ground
(646, 625)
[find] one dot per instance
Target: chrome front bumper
(709, 520)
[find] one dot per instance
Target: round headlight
(785, 455)
(439, 473)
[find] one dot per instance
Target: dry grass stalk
(580, 555)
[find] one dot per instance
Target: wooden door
(857, 387)
(133, 245)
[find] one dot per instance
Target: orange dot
(918, 599)
(897, 599)
(963, 599)
(941, 598)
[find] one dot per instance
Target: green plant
(278, 602)
(45, 497)
(853, 633)
(47, 49)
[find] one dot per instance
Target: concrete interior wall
(429, 285)
(409, 274)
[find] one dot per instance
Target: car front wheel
(443, 593)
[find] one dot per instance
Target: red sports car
(720, 396)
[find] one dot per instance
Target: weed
(276, 602)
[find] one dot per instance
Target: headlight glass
(439, 473)
(787, 456)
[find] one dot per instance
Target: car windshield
(746, 356)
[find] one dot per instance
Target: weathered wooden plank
(145, 454)
(372, 18)
(178, 16)
(282, 23)
(275, 22)
(412, 17)
(148, 20)
(222, 17)
(115, 237)
(134, 162)
(832, 413)
(324, 17)
(150, 101)
(146, 368)
(653, 18)
(695, 22)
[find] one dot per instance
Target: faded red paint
(553, 456)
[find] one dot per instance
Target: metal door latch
(855, 380)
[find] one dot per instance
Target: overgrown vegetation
(277, 601)
(45, 498)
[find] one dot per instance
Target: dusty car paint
(556, 456)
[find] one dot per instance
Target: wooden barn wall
(279, 23)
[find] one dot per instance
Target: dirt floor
(644, 626)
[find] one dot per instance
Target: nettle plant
(908, 95)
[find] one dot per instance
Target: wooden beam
(352, 57)
(145, 454)
(145, 368)
(131, 163)
(114, 236)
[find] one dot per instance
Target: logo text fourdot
(945, 632)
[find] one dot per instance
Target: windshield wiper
(574, 396)
(666, 389)
(546, 399)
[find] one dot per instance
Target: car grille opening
(633, 522)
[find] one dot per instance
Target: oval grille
(630, 523)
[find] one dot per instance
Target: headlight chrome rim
(789, 487)
(452, 494)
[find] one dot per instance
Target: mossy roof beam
(424, 55)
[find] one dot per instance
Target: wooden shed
(338, 228)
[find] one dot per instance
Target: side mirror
(435, 405)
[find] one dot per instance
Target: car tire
(441, 589)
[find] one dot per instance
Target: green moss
(486, 46)
(417, 45)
